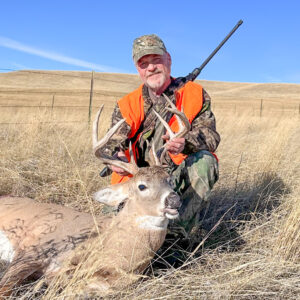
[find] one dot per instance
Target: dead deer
(36, 239)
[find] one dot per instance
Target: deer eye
(142, 187)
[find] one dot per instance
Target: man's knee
(202, 170)
(198, 175)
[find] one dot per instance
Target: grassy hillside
(55, 81)
(58, 93)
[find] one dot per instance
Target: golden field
(249, 244)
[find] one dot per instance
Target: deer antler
(131, 167)
(183, 122)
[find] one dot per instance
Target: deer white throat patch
(6, 249)
(152, 223)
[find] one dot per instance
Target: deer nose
(173, 201)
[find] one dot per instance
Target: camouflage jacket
(202, 136)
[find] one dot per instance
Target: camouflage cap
(147, 44)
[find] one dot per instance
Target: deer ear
(113, 195)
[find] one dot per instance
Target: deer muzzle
(172, 204)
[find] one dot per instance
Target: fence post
(52, 105)
(261, 107)
(91, 97)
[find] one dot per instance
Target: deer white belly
(6, 249)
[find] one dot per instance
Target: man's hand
(174, 146)
(121, 155)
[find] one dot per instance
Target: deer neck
(142, 220)
(150, 229)
(152, 223)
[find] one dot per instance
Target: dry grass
(249, 244)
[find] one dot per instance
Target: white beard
(157, 83)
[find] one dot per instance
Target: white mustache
(153, 74)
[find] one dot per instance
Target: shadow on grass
(219, 223)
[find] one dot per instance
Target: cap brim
(136, 58)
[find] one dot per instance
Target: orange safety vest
(190, 96)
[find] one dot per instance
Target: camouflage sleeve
(203, 134)
(119, 140)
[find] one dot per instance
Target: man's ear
(169, 59)
(113, 195)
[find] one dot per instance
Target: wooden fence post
(91, 97)
(261, 107)
(52, 105)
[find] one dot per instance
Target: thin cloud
(20, 66)
(294, 78)
(11, 44)
(272, 79)
(290, 78)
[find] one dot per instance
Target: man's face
(155, 71)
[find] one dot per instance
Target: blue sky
(89, 34)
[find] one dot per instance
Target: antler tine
(99, 144)
(131, 166)
(154, 159)
(183, 122)
(163, 155)
(169, 100)
(132, 160)
(166, 125)
(95, 127)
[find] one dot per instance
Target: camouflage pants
(193, 181)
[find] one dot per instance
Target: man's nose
(151, 66)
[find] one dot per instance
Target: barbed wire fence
(90, 93)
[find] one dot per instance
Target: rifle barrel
(181, 81)
(239, 23)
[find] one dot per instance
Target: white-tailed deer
(37, 239)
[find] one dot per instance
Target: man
(190, 159)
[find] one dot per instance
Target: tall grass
(248, 245)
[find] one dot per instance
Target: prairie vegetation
(248, 246)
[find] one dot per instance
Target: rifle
(181, 81)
